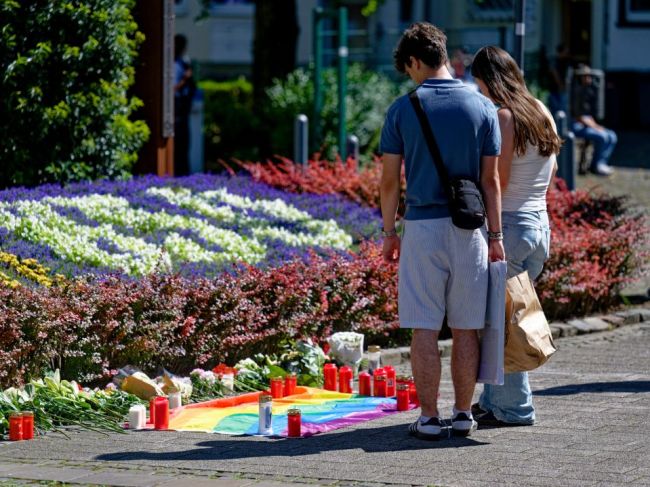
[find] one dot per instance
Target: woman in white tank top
(527, 165)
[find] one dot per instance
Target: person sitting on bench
(583, 107)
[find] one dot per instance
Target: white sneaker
(463, 424)
(431, 430)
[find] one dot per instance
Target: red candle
(290, 383)
(413, 393)
(402, 379)
(28, 425)
(277, 387)
(329, 373)
(379, 386)
(345, 379)
(152, 410)
(403, 397)
(390, 381)
(161, 415)
(15, 427)
(364, 384)
(294, 420)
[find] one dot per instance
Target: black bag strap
(431, 140)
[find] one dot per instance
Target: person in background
(184, 90)
(443, 269)
(583, 109)
(527, 165)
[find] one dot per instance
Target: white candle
(174, 400)
(137, 417)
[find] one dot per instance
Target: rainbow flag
(321, 411)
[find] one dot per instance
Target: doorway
(576, 26)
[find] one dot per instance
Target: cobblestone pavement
(593, 401)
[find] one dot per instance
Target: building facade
(607, 34)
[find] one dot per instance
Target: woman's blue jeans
(526, 238)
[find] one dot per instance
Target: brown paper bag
(529, 342)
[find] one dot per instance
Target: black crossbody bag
(465, 199)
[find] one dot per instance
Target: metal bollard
(301, 139)
(353, 147)
(566, 159)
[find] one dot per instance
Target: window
(491, 10)
(634, 13)
(232, 7)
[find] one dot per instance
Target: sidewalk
(593, 401)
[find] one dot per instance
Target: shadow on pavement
(372, 440)
(622, 386)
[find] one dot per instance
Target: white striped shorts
(443, 269)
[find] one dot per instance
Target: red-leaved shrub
(358, 183)
(88, 328)
(597, 246)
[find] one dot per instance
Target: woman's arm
(507, 128)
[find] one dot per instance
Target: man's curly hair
(423, 41)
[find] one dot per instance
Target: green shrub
(230, 125)
(67, 66)
(369, 96)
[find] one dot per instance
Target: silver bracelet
(495, 235)
(389, 233)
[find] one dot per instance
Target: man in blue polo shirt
(443, 269)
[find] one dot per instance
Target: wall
(624, 51)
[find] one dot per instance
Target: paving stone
(566, 330)
(121, 479)
(444, 347)
(396, 356)
(614, 320)
(556, 331)
(645, 314)
(589, 325)
(34, 472)
(630, 317)
(185, 481)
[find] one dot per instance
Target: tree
(274, 47)
(66, 72)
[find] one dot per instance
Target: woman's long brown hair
(500, 73)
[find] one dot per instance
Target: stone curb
(559, 329)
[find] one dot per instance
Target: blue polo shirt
(466, 127)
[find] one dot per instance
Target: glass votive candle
(15, 426)
(379, 385)
(28, 425)
(329, 376)
(277, 387)
(403, 397)
(161, 415)
(364, 384)
(290, 383)
(294, 423)
(390, 381)
(345, 379)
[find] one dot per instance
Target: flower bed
(597, 245)
(88, 328)
(196, 225)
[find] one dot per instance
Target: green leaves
(66, 71)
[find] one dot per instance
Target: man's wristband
(495, 235)
(389, 233)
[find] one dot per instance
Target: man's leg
(610, 144)
(425, 363)
(464, 366)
